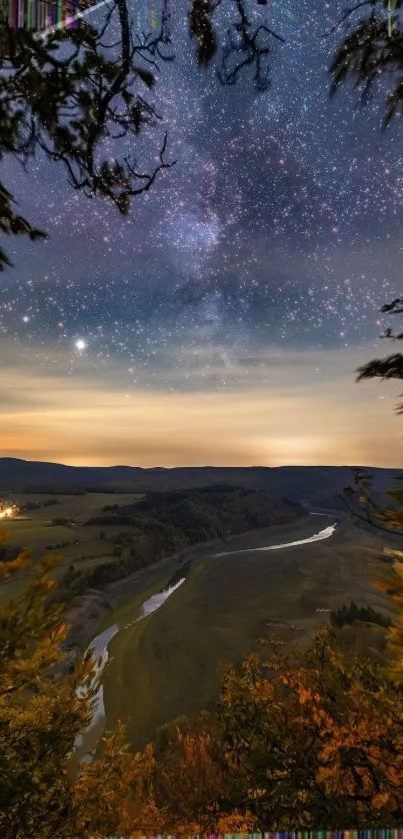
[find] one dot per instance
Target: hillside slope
(168, 522)
(318, 485)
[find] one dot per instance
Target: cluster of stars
(279, 223)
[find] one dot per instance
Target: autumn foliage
(300, 738)
(40, 718)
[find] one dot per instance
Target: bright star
(80, 345)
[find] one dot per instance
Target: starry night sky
(222, 321)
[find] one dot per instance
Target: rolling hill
(317, 485)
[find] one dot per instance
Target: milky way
(278, 225)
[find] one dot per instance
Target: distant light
(9, 511)
(80, 345)
(25, 318)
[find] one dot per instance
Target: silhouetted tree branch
(73, 93)
(374, 48)
(245, 46)
(390, 367)
(72, 102)
(361, 505)
(358, 501)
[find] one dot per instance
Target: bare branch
(243, 40)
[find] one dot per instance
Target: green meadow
(81, 544)
(77, 508)
(171, 662)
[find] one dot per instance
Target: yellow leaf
(380, 800)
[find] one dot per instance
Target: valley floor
(171, 662)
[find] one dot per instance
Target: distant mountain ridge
(318, 485)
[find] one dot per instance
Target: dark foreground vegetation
(350, 613)
(299, 737)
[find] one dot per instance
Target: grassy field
(81, 544)
(171, 662)
(78, 508)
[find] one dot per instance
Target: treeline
(351, 612)
(165, 523)
(47, 489)
(38, 505)
(207, 512)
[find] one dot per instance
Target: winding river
(99, 649)
(323, 534)
(99, 645)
